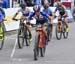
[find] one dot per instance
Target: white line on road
(13, 51)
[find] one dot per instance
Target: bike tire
(27, 38)
(58, 34)
(20, 44)
(36, 48)
(49, 33)
(65, 34)
(42, 50)
(2, 41)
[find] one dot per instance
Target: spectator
(15, 4)
(5, 4)
(57, 2)
(44, 1)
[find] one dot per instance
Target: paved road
(57, 52)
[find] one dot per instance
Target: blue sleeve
(44, 14)
(50, 12)
(31, 15)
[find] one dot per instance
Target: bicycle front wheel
(42, 50)
(58, 33)
(36, 47)
(20, 38)
(27, 38)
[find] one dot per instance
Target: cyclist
(62, 13)
(25, 13)
(40, 16)
(2, 16)
(48, 11)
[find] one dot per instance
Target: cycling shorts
(41, 21)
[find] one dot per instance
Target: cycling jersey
(48, 11)
(42, 18)
(60, 9)
(25, 11)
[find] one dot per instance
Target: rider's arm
(64, 10)
(30, 17)
(65, 13)
(16, 13)
(47, 16)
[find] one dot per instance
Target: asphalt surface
(57, 52)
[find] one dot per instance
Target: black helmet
(23, 6)
(46, 6)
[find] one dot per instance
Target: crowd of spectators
(35, 2)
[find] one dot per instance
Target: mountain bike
(40, 42)
(63, 31)
(23, 34)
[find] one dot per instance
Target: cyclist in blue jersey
(25, 13)
(2, 14)
(48, 11)
(41, 17)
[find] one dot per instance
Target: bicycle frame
(39, 31)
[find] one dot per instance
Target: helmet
(36, 8)
(46, 6)
(22, 6)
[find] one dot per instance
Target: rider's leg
(44, 31)
(65, 21)
(28, 28)
(1, 27)
(51, 22)
(59, 28)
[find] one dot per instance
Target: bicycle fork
(40, 40)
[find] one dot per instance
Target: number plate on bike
(38, 27)
(62, 18)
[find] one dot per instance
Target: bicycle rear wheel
(20, 38)
(65, 33)
(58, 33)
(27, 38)
(49, 33)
